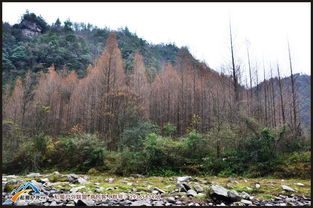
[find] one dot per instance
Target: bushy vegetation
(143, 150)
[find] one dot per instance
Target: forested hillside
(34, 45)
(81, 98)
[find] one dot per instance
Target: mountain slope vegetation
(76, 97)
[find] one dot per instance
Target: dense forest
(80, 98)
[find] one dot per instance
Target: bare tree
(292, 90)
(235, 78)
(273, 98)
(281, 96)
(265, 96)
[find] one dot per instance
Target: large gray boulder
(217, 192)
(234, 195)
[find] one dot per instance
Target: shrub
(29, 156)
(157, 155)
(133, 137)
(294, 165)
(80, 152)
(254, 156)
(195, 141)
(93, 171)
(168, 130)
(128, 162)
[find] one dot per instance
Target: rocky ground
(173, 191)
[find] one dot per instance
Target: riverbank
(170, 190)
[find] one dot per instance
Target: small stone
(71, 204)
(141, 203)
(257, 185)
(183, 178)
(21, 203)
(181, 187)
(137, 175)
(110, 180)
(158, 203)
(191, 204)
(35, 203)
(82, 181)
(198, 188)
(73, 178)
(287, 188)
(129, 184)
(179, 203)
(171, 200)
(53, 203)
(232, 180)
(33, 175)
(45, 180)
(191, 193)
(186, 186)
(277, 198)
(85, 203)
(247, 202)
(238, 204)
(38, 185)
(245, 195)
(74, 190)
(169, 186)
(97, 184)
(299, 184)
(200, 194)
(290, 199)
(56, 173)
(10, 176)
(159, 190)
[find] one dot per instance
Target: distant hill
(34, 45)
(303, 93)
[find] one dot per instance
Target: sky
(264, 28)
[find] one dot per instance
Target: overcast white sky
(202, 27)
